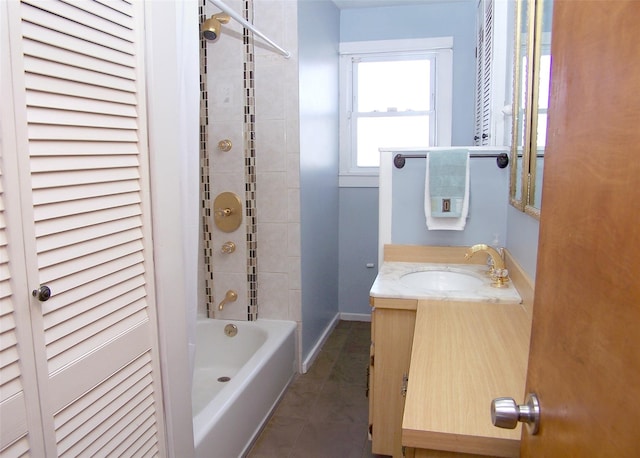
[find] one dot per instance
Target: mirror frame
(530, 207)
(519, 157)
(527, 158)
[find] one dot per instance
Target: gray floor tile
(278, 438)
(324, 413)
(342, 403)
(329, 440)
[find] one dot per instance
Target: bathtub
(259, 362)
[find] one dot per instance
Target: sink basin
(442, 280)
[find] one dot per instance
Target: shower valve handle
(222, 212)
(228, 247)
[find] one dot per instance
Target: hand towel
(446, 200)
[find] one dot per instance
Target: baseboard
(313, 354)
(355, 317)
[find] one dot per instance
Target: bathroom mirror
(520, 105)
(532, 71)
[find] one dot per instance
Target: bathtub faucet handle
(228, 247)
(231, 296)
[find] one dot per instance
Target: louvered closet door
(484, 59)
(18, 433)
(20, 415)
(83, 157)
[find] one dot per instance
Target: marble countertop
(388, 284)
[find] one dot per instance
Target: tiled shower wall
(250, 96)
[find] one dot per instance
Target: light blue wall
(339, 228)
(358, 247)
(359, 206)
(318, 37)
(455, 19)
(488, 199)
(522, 239)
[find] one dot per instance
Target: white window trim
(443, 47)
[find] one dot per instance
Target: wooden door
(585, 353)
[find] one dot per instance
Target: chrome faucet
(231, 296)
(499, 274)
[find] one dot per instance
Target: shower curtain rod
(231, 12)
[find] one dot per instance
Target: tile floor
(324, 413)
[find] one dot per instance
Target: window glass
(394, 85)
(543, 99)
(377, 132)
(392, 106)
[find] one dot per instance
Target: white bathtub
(260, 362)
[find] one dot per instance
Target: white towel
(445, 223)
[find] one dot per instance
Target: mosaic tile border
(205, 183)
(249, 168)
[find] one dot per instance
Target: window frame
(356, 114)
(440, 48)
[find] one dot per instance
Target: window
(393, 94)
(392, 105)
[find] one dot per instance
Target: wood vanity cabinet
(392, 325)
(423, 453)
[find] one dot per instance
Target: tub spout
(231, 296)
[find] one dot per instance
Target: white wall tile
(273, 296)
(272, 248)
(294, 272)
(272, 199)
(270, 89)
(293, 205)
(277, 146)
(293, 170)
(293, 239)
(295, 304)
(271, 146)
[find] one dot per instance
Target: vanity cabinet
(462, 353)
(423, 453)
(392, 325)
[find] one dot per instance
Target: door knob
(42, 294)
(505, 413)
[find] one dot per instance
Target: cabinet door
(393, 337)
(82, 188)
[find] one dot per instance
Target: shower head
(212, 27)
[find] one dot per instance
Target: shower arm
(231, 12)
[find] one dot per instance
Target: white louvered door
(80, 130)
(19, 433)
(484, 58)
